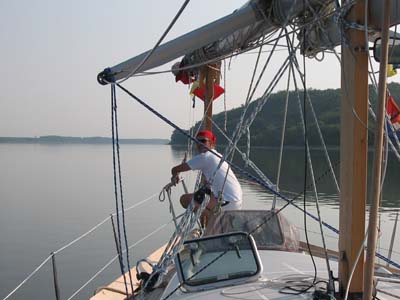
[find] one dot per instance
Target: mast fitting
(105, 77)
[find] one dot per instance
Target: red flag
(200, 92)
(393, 111)
(184, 77)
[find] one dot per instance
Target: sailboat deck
(281, 270)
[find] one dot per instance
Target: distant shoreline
(55, 139)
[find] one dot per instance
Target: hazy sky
(51, 52)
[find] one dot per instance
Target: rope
(115, 147)
(306, 96)
(237, 168)
(175, 243)
(397, 155)
(239, 130)
(307, 159)
(310, 166)
(161, 197)
(353, 268)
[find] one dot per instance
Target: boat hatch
(217, 261)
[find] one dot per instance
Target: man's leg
(185, 201)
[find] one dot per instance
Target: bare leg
(185, 201)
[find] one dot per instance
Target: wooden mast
(209, 76)
(378, 147)
(353, 153)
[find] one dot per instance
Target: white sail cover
(245, 28)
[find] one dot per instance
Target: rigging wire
(278, 175)
(234, 166)
(158, 42)
(244, 157)
(304, 120)
(262, 101)
(248, 98)
(304, 104)
(225, 111)
(246, 49)
(245, 173)
(374, 81)
(318, 128)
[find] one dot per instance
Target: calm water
(52, 194)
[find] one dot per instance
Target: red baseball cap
(208, 135)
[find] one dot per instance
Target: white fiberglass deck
(281, 269)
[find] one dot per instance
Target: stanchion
(55, 277)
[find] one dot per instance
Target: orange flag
(393, 111)
(201, 91)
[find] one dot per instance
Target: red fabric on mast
(393, 110)
(201, 91)
(182, 75)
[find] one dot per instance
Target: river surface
(51, 194)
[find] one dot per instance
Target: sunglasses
(203, 140)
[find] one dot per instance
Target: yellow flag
(195, 85)
(391, 71)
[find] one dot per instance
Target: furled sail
(246, 27)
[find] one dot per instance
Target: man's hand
(175, 179)
(176, 170)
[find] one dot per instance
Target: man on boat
(220, 184)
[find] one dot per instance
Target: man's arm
(178, 169)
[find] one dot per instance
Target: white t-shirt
(207, 163)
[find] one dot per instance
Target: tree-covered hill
(267, 126)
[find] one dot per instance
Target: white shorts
(232, 205)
